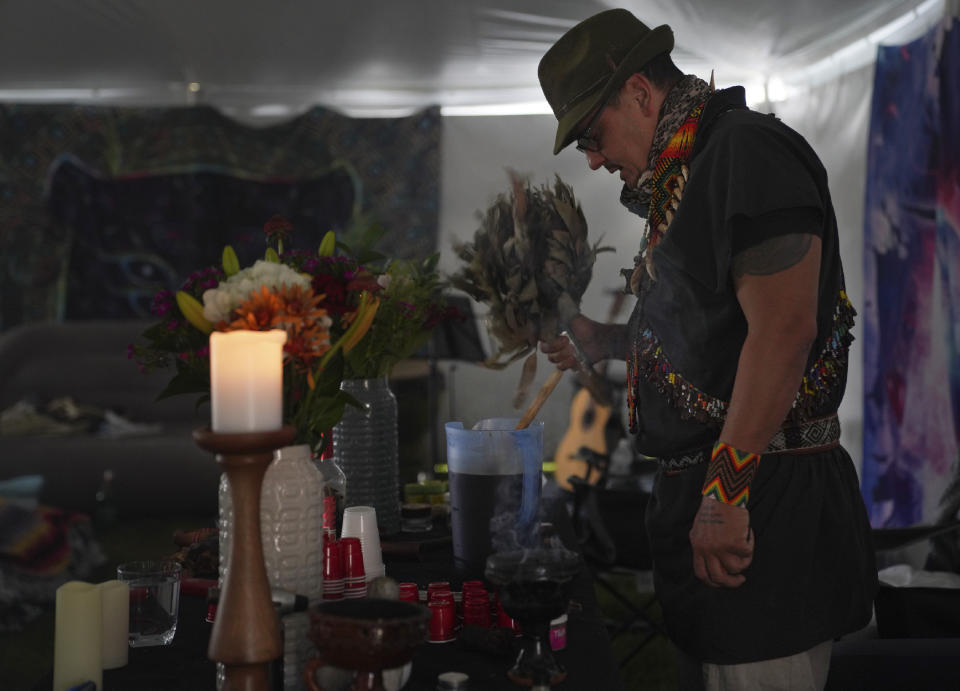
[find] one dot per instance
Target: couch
(158, 471)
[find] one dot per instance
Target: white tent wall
(835, 119)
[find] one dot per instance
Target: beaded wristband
(729, 474)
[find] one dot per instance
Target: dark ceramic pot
(367, 635)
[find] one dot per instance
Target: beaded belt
(812, 436)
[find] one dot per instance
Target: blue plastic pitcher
(495, 476)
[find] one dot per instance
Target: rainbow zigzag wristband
(729, 474)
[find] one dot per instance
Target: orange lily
(360, 327)
(363, 318)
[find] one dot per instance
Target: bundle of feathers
(530, 263)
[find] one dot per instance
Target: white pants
(806, 671)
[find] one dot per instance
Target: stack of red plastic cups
(443, 612)
(409, 592)
(333, 584)
(355, 578)
(437, 587)
(475, 604)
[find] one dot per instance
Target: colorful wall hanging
(911, 320)
(141, 189)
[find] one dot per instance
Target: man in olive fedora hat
(736, 358)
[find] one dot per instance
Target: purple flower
(173, 325)
(162, 302)
(213, 272)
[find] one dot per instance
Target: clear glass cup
(154, 600)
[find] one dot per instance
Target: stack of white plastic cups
(361, 522)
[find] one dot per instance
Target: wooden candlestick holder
(246, 632)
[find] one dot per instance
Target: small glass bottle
(334, 482)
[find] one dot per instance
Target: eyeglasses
(587, 141)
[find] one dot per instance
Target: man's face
(623, 133)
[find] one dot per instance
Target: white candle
(77, 654)
(115, 618)
(246, 380)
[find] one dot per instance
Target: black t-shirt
(751, 177)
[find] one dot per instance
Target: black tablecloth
(421, 558)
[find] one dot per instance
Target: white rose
(216, 305)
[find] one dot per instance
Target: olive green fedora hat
(585, 65)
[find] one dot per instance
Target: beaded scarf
(669, 177)
(670, 174)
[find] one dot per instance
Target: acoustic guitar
(589, 425)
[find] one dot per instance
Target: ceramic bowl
(367, 634)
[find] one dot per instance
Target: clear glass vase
(365, 445)
(291, 513)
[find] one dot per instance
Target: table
(588, 658)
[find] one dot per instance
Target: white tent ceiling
(385, 57)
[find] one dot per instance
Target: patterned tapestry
(99, 206)
(912, 280)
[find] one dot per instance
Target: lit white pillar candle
(77, 654)
(246, 380)
(115, 618)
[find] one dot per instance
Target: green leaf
(328, 416)
(328, 244)
(271, 255)
(186, 381)
(329, 378)
(231, 264)
(350, 399)
(430, 263)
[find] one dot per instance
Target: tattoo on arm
(709, 514)
(771, 256)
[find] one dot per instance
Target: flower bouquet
(346, 314)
